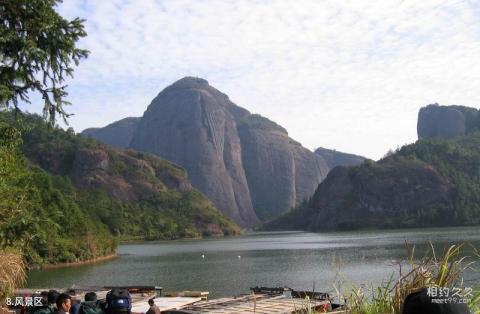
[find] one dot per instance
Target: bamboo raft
(259, 304)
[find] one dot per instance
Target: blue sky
(349, 75)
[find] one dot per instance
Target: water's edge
(79, 263)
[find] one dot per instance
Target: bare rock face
(189, 123)
(446, 121)
(87, 160)
(310, 170)
(94, 169)
(246, 164)
(118, 134)
(280, 172)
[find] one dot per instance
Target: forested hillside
(66, 198)
(434, 182)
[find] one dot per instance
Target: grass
(445, 270)
(475, 302)
(12, 273)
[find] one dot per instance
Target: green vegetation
(428, 271)
(433, 182)
(457, 160)
(66, 198)
(167, 216)
(38, 47)
(39, 212)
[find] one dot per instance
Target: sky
(346, 75)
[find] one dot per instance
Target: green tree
(18, 193)
(37, 53)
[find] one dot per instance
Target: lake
(231, 265)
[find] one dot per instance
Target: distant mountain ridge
(118, 134)
(334, 158)
(433, 182)
(245, 163)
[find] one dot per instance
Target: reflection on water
(232, 265)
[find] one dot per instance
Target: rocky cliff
(434, 182)
(335, 158)
(190, 124)
(246, 164)
(280, 172)
(401, 193)
(447, 121)
(118, 134)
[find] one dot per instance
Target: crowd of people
(54, 302)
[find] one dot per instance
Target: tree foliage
(53, 220)
(37, 51)
(38, 212)
(433, 182)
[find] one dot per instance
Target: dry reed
(12, 273)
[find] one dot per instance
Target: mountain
(335, 158)
(246, 164)
(280, 172)
(433, 182)
(447, 121)
(85, 194)
(193, 125)
(118, 134)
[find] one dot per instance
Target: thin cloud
(349, 75)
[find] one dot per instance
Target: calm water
(294, 259)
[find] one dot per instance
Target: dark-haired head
(90, 296)
(44, 296)
(151, 302)
(64, 302)
(52, 296)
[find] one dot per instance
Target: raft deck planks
(261, 304)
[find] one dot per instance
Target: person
(48, 303)
(52, 299)
(90, 297)
(75, 309)
(119, 301)
(44, 308)
(153, 308)
(64, 303)
(44, 296)
(91, 305)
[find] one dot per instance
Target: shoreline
(79, 263)
(215, 236)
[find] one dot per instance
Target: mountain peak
(190, 82)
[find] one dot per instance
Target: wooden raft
(258, 304)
